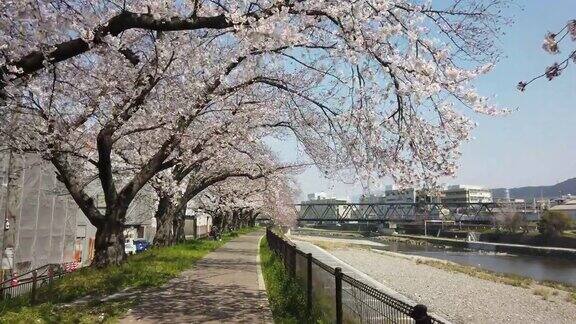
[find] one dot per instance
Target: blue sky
(537, 144)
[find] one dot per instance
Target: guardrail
(339, 297)
(29, 282)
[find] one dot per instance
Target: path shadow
(200, 302)
(221, 288)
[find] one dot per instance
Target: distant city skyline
(533, 146)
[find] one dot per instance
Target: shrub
(513, 222)
(541, 291)
(571, 297)
(553, 223)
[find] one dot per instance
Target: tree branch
(124, 21)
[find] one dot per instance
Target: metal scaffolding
(41, 222)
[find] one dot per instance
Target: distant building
(516, 202)
(316, 196)
(411, 195)
(394, 196)
(372, 199)
(426, 196)
(368, 211)
(140, 223)
(519, 204)
(562, 199)
(197, 223)
(319, 205)
(466, 194)
(568, 208)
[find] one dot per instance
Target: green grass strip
(286, 296)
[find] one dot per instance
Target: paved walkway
(223, 287)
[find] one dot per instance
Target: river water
(535, 267)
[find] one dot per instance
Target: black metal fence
(340, 298)
(27, 284)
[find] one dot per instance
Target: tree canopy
(125, 92)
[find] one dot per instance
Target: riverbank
(567, 240)
(568, 253)
(461, 297)
(558, 252)
(503, 267)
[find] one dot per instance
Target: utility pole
(10, 211)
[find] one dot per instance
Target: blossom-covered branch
(551, 45)
(156, 91)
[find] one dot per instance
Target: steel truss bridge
(401, 212)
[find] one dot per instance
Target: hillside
(528, 193)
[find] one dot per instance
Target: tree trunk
(224, 226)
(164, 218)
(233, 219)
(217, 220)
(164, 232)
(253, 217)
(178, 227)
(109, 243)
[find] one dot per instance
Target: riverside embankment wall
(498, 247)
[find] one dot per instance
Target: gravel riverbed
(457, 296)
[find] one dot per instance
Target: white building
(466, 194)
(568, 208)
(140, 222)
(410, 195)
(319, 205)
(197, 223)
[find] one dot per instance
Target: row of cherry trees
(237, 204)
(182, 96)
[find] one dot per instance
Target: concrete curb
(261, 282)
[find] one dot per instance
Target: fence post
(293, 260)
(34, 283)
(50, 274)
(309, 283)
(284, 253)
(420, 314)
(338, 278)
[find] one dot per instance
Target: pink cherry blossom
(119, 98)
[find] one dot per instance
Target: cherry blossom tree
(227, 162)
(110, 92)
(238, 202)
(551, 45)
